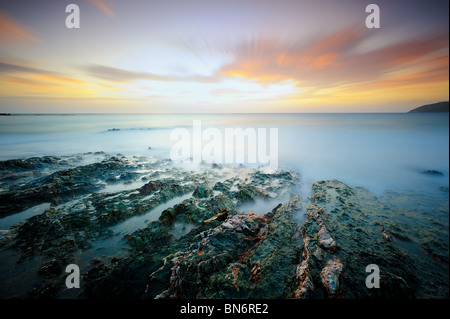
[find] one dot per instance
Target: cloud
(103, 7)
(119, 75)
(12, 30)
(8, 68)
(18, 80)
(333, 60)
(22, 80)
(15, 68)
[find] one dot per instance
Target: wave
(142, 129)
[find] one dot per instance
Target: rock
(96, 260)
(219, 217)
(235, 255)
(319, 253)
(51, 268)
(6, 236)
(168, 216)
(433, 172)
(201, 192)
(115, 259)
(444, 189)
(58, 187)
(325, 240)
(303, 283)
(151, 187)
(439, 107)
(330, 275)
(356, 218)
(386, 234)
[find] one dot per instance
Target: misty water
(375, 151)
(380, 152)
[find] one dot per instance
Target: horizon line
(184, 113)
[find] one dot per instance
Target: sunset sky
(139, 56)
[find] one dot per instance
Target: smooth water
(10, 220)
(376, 151)
(134, 223)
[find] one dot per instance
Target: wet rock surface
(145, 228)
(362, 230)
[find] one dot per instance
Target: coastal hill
(440, 107)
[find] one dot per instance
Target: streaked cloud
(16, 68)
(119, 75)
(105, 8)
(23, 80)
(45, 75)
(13, 30)
(333, 59)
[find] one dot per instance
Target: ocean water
(376, 151)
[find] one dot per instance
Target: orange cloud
(21, 81)
(324, 60)
(58, 79)
(36, 73)
(334, 60)
(25, 87)
(12, 30)
(102, 6)
(265, 60)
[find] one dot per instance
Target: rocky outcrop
(346, 230)
(247, 256)
(227, 255)
(439, 107)
(81, 218)
(194, 241)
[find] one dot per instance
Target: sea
(394, 151)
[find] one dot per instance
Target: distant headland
(440, 107)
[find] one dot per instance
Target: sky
(222, 56)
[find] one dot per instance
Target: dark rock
(444, 189)
(439, 107)
(151, 187)
(201, 192)
(51, 268)
(48, 291)
(58, 187)
(433, 172)
(222, 216)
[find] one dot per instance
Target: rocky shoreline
(143, 228)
